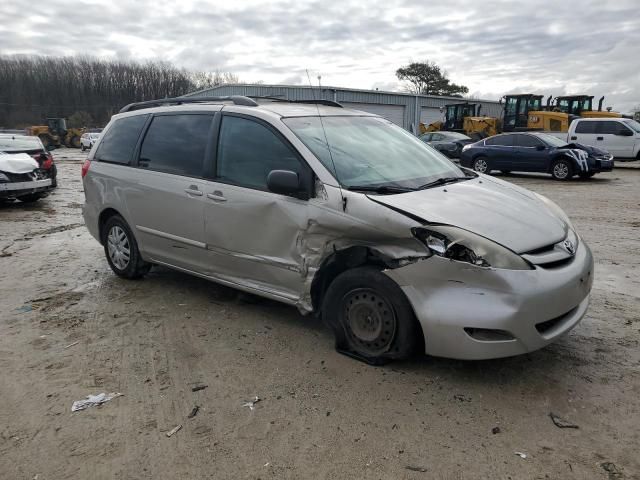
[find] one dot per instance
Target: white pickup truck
(618, 136)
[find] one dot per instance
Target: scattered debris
(198, 387)
(461, 398)
(251, 403)
(495, 430)
(267, 464)
(93, 400)
(613, 471)
(521, 455)
(194, 412)
(561, 422)
(173, 431)
(24, 309)
(71, 345)
(416, 469)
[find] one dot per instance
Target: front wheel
(32, 197)
(370, 316)
(562, 169)
(481, 165)
(121, 249)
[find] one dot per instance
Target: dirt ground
(69, 328)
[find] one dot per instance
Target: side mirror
(541, 147)
(625, 132)
(284, 182)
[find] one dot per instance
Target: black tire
(562, 169)
(82, 147)
(134, 266)
(371, 317)
(32, 197)
(481, 164)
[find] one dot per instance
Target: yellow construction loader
(582, 106)
(464, 118)
(55, 133)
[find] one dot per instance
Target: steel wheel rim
(480, 165)
(561, 170)
(370, 320)
(118, 247)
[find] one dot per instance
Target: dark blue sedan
(535, 152)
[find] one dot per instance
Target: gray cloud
(493, 47)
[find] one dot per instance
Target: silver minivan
(342, 214)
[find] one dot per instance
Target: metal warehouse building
(403, 109)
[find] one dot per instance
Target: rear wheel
(370, 316)
(562, 169)
(74, 141)
(121, 249)
(481, 164)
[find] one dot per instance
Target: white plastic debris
(93, 400)
(17, 163)
(521, 455)
(173, 430)
(251, 404)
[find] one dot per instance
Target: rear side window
(120, 140)
(586, 127)
(611, 128)
(176, 144)
(500, 140)
(527, 141)
(248, 151)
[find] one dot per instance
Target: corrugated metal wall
(413, 107)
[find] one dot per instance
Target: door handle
(574, 138)
(599, 138)
(193, 190)
(217, 196)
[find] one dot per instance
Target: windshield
(371, 151)
(551, 140)
(17, 143)
(633, 125)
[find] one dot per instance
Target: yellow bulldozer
(521, 112)
(464, 118)
(56, 134)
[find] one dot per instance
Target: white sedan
(87, 140)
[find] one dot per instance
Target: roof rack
(236, 99)
(328, 103)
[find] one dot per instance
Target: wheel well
(105, 215)
(341, 261)
(561, 156)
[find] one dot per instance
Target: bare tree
(33, 88)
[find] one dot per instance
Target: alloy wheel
(118, 247)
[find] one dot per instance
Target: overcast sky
(546, 47)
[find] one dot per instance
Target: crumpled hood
(17, 163)
(591, 150)
(498, 210)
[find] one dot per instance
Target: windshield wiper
(442, 181)
(384, 189)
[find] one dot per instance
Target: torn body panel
(451, 300)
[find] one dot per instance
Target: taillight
(85, 167)
(48, 162)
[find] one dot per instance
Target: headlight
(556, 210)
(458, 244)
(466, 147)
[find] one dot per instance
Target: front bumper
(514, 311)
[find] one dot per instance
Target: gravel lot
(69, 328)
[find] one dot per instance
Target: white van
(619, 136)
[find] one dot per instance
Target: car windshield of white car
(371, 152)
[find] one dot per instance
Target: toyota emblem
(568, 245)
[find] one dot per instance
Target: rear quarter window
(120, 140)
(586, 127)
